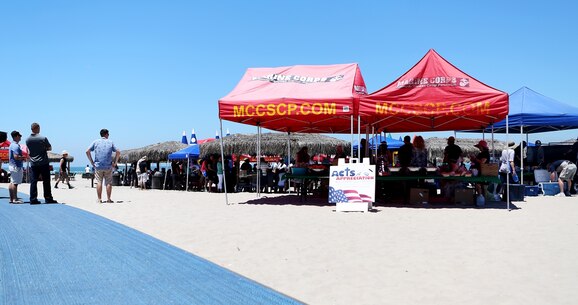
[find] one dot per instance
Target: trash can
(116, 179)
(157, 181)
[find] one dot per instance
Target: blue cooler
(532, 190)
(549, 188)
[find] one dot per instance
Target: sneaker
(17, 201)
(567, 194)
(561, 194)
(56, 186)
(50, 201)
(34, 201)
(70, 187)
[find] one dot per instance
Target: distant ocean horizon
(80, 169)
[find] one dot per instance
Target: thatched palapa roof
(54, 157)
(154, 152)
(436, 146)
(275, 144)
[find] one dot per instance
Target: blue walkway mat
(56, 254)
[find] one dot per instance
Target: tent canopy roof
(537, 113)
(313, 99)
(433, 95)
(192, 151)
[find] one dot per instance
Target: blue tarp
(537, 113)
(191, 151)
(391, 142)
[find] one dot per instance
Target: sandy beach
(393, 255)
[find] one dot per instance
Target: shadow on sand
(294, 199)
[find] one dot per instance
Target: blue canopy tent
(190, 152)
(532, 112)
(391, 142)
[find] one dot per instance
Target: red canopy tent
(311, 99)
(4, 151)
(433, 95)
(4, 147)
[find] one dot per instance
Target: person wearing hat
(64, 173)
(483, 157)
(539, 154)
(507, 169)
(142, 172)
(15, 166)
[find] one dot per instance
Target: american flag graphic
(336, 195)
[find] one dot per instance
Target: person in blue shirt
(15, 166)
(103, 163)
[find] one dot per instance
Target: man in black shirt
(452, 153)
(38, 147)
(405, 153)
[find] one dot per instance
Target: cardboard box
(465, 196)
(418, 196)
(489, 169)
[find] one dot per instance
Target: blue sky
(147, 70)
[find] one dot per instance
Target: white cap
(64, 152)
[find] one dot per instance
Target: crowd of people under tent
(240, 173)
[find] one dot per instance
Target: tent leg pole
(288, 159)
(358, 138)
(522, 155)
(493, 147)
(223, 162)
(352, 137)
(507, 177)
(258, 182)
(374, 140)
(165, 182)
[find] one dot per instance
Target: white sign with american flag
(352, 185)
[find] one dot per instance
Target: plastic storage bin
(549, 188)
(532, 190)
(517, 192)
